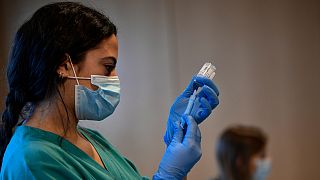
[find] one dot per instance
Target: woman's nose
(114, 73)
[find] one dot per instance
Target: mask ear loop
(74, 72)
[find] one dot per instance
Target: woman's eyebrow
(110, 59)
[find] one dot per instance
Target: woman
(241, 154)
(62, 69)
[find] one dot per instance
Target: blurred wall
(267, 55)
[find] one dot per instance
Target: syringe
(207, 70)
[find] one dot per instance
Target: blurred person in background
(241, 154)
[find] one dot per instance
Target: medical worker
(241, 154)
(62, 69)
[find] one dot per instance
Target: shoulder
(35, 160)
(24, 158)
(33, 152)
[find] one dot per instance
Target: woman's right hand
(206, 100)
(182, 153)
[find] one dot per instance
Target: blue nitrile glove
(206, 100)
(183, 152)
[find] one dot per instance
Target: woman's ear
(65, 69)
(62, 70)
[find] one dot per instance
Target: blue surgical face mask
(96, 105)
(263, 167)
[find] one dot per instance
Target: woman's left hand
(183, 152)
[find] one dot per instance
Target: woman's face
(99, 61)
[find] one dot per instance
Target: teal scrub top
(37, 154)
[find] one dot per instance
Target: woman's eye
(109, 68)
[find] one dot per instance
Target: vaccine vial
(207, 70)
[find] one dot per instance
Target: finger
(192, 130)
(201, 81)
(193, 85)
(198, 137)
(204, 111)
(177, 133)
(210, 95)
(167, 138)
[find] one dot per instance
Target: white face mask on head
(96, 105)
(263, 167)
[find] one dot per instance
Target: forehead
(110, 42)
(107, 47)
